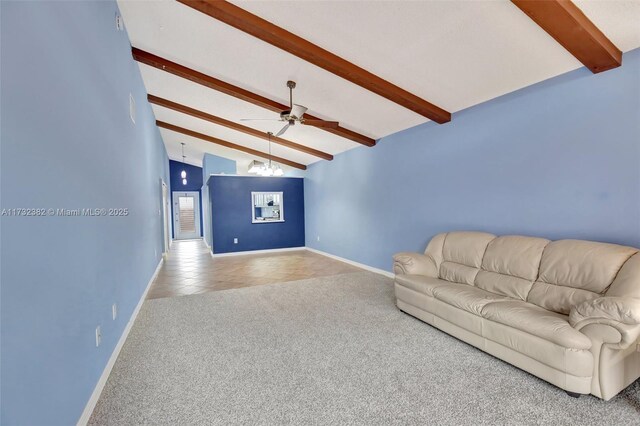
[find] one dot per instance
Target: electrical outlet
(98, 336)
(235, 241)
(318, 238)
(114, 311)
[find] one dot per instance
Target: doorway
(186, 215)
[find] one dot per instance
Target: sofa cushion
(536, 321)
(515, 255)
(583, 264)
(510, 265)
(505, 285)
(465, 297)
(569, 265)
(575, 362)
(558, 298)
(420, 283)
(462, 254)
(457, 273)
(627, 282)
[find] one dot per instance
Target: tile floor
(190, 269)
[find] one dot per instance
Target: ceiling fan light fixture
(256, 167)
(295, 114)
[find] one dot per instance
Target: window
(267, 207)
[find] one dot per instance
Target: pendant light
(183, 173)
(271, 169)
(268, 171)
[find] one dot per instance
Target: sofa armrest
(619, 313)
(414, 264)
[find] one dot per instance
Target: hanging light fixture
(256, 167)
(267, 168)
(268, 171)
(271, 168)
(183, 173)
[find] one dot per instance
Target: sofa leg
(573, 394)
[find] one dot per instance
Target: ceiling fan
(295, 115)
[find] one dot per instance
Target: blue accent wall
(212, 164)
(194, 183)
(67, 142)
(559, 159)
(231, 206)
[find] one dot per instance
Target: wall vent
(119, 22)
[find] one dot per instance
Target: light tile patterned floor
(190, 269)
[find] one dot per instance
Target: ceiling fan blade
(298, 110)
(284, 129)
(260, 119)
(321, 123)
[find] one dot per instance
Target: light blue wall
(211, 165)
(560, 159)
(67, 142)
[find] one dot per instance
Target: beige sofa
(566, 311)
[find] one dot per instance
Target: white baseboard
(241, 253)
(91, 404)
(351, 262)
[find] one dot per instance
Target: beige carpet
(331, 350)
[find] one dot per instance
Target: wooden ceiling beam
(235, 126)
(569, 26)
(235, 91)
(279, 37)
(227, 144)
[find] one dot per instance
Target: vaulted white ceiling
(454, 54)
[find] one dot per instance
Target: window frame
(253, 206)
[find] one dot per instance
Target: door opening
(186, 215)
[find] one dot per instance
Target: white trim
(351, 262)
(241, 253)
(253, 206)
(91, 404)
(254, 176)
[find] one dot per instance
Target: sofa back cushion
(627, 282)
(573, 271)
(462, 254)
(510, 265)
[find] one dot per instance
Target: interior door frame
(166, 222)
(176, 212)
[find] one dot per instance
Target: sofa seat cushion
(468, 298)
(420, 283)
(536, 321)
